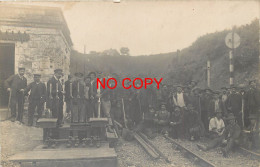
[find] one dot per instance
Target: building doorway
(7, 55)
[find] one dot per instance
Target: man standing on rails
(16, 84)
(55, 96)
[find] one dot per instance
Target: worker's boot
(201, 147)
(109, 129)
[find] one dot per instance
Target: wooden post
(231, 60)
(208, 71)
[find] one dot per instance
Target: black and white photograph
(128, 83)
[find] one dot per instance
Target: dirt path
(16, 138)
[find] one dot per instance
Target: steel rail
(144, 137)
(191, 155)
(252, 154)
(150, 150)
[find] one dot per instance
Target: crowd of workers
(180, 111)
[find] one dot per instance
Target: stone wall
(46, 50)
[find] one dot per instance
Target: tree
(124, 51)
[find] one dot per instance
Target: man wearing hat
(162, 119)
(176, 124)
(147, 126)
(234, 104)
(164, 94)
(194, 127)
(214, 105)
(224, 98)
(251, 101)
(68, 94)
(135, 112)
(206, 98)
(36, 98)
(16, 84)
(78, 102)
(179, 98)
(230, 136)
(55, 96)
(87, 97)
(254, 131)
(192, 84)
(195, 100)
(93, 93)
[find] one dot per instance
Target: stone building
(35, 37)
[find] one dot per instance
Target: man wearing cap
(148, 124)
(165, 94)
(55, 96)
(93, 94)
(193, 123)
(135, 111)
(230, 136)
(16, 84)
(254, 131)
(179, 98)
(224, 98)
(68, 94)
(195, 100)
(162, 118)
(234, 104)
(214, 105)
(251, 101)
(105, 95)
(36, 98)
(176, 124)
(206, 98)
(78, 106)
(87, 97)
(192, 85)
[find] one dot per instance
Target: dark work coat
(234, 103)
(54, 90)
(177, 130)
(78, 89)
(16, 84)
(68, 90)
(252, 101)
(38, 91)
(205, 102)
(135, 112)
(195, 100)
(151, 95)
(93, 89)
(211, 108)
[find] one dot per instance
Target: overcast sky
(149, 27)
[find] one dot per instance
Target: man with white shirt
(55, 96)
(216, 125)
(180, 99)
(16, 84)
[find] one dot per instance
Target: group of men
(177, 110)
(38, 94)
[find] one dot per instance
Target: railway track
(250, 153)
(197, 159)
(155, 153)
